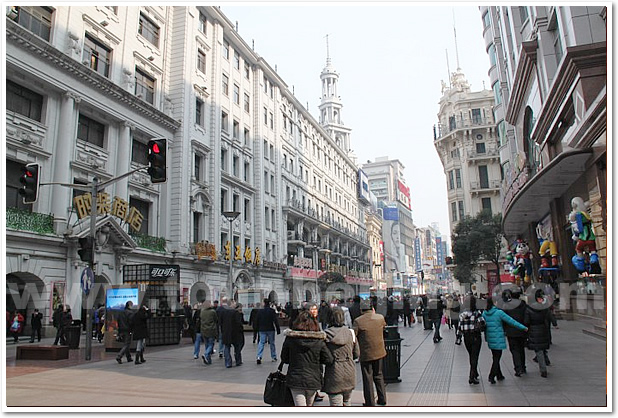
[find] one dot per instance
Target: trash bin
(392, 361)
(72, 334)
(427, 323)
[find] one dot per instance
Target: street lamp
(230, 216)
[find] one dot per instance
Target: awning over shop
(532, 202)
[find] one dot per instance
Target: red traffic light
(155, 148)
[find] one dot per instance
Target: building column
(123, 161)
(64, 152)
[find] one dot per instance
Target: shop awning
(532, 202)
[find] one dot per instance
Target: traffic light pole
(85, 295)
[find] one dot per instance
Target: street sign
(86, 280)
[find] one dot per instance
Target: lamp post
(230, 216)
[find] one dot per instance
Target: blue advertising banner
(439, 251)
(390, 214)
(417, 254)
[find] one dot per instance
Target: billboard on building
(393, 246)
(363, 187)
(403, 194)
(417, 254)
(439, 252)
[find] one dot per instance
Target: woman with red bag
(16, 326)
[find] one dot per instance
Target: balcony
(440, 130)
(480, 187)
(474, 156)
(22, 220)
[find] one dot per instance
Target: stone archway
(199, 293)
(24, 293)
(272, 297)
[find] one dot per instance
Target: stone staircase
(598, 331)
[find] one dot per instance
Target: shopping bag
(443, 320)
(276, 392)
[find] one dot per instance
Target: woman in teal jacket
(494, 334)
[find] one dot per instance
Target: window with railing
(96, 55)
(148, 29)
(36, 19)
(23, 101)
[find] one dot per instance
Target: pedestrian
(304, 350)
(124, 332)
(435, 312)
(267, 322)
(407, 312)
(101, 324)
(58, 324)
(36, 323)
(140, 331)
(220, 308)
(196, 321)
(538, 318)
(454, 317)
(232, 333)
(209, 328)
(324, 312)
(254, 324)
(494, 334)
(369, 329)
(515, 308)
(17, 324)
(447, 310)
(471, 326)
(355, 310)
(346, 313)
(188, 323)
(340, 376)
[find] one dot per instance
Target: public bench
(42, 352)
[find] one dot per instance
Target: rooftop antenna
(448, 68)
(455, 33)
(327, 51)
(253, 44)
(237, 26)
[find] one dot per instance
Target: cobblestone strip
(432, 388)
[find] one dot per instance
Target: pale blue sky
(391, 58)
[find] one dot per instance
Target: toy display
(585, 259)
(522, 263)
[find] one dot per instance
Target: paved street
(433, 375)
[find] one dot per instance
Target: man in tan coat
(369, 328)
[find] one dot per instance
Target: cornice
(25, 39)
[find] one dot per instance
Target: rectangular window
(483, 177)
(454, 211)
(23, 101)
(223, 200)
(265, 150)
(143, 207)
(458, 178)
(267, 218)
(265, 116)
(247, 210)
(201, 61)
(480, 148)
(223, 160)
(266, 181)
(199, 112)
(486, 20)
(461, 209)
(247, 70)
(197, 223)
(235, 129)
(452, 123)
(144, 86)
(451, 180)
(90, 130)
(236, 60)
(265, 85)
(139, 152)
(197, 167)
(476, 117)
(271, 119)
(486, 203)
(235, 166)
(246, 172)
(96, 55)
(226, 50)
(235, 203)
(272, 91)
(272, 183)
(201, 26)
(246, 102)
(36, 19)
(272, 153)
(148, 30)
(236, 94)
(224, 122)
(225, 86)
(246, 137)
(273, 220)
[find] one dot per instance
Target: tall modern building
(89, 86)
(548, 68)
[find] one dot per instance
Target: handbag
(276, 392)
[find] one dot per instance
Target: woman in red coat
(16, 325)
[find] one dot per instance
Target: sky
(391, 58)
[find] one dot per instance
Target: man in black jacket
(125, 325)
(515, 308)
(36, 324)
(267, 322)
(355, 310)
(435, 312)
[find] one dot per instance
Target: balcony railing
(149, 243)
(493, 184)
(29, 221)
(440, 130)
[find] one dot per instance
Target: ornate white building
(88, 86)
